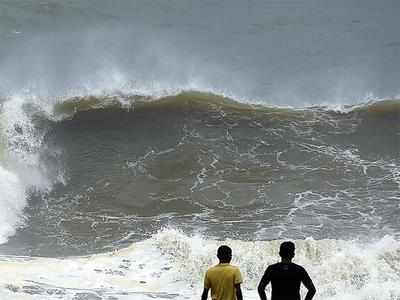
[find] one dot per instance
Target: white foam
(173, 263)
(20, 166)
(12, 201)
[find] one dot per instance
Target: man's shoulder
(220, 267)
(274, 266)
(298, 267)
(233, 267)
(210, 269)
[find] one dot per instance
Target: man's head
(224, 254)
(286, 250)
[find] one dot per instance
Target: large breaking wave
(98, 173)
(200, 157)
(129, 151)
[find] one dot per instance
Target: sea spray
(20, 168)
(12, 201)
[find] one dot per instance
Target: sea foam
(171, 265)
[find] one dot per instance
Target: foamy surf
(171, 265)
(12, 201)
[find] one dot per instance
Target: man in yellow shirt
(223, 279)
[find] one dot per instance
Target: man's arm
(262, 285)
(310, 287)
(239, 295)
(205, 294)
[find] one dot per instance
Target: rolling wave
(136, 138)
(72, 105)
(110, 162)
(102, 176)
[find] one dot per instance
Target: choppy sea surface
(136, 137)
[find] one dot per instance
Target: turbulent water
(127, 172)
(135, 138)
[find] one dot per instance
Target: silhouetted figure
(286, 277)
(223, 279)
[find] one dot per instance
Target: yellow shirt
(221, 279)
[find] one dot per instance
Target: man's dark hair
(287, 250)
(224, 253)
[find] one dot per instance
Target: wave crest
(73, 105)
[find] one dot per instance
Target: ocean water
(138, 136)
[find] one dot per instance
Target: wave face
(208, 164)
